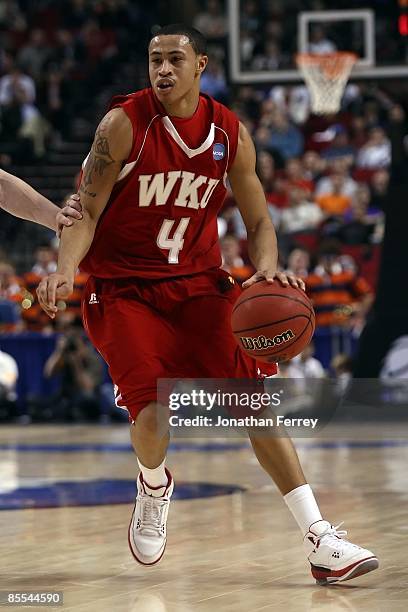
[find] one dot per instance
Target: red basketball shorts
(173, 328)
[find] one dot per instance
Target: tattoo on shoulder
(99, 158)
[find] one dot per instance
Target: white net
(326, 77)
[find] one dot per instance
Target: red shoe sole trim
(322, 573)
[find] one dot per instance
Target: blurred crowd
(54, 56)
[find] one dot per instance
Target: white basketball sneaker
(147, 529)
(334, 559)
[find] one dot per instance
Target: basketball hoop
(326, 77)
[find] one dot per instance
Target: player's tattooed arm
(111, 147)
(99, 159)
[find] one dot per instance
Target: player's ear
(201, 63)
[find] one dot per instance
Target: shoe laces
(335, 537)
(151, 515)
(334, 531)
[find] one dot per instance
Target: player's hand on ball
(51, 289)
(71, 212)
(284, 279)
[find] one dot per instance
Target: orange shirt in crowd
(334, 203)
(332, 295)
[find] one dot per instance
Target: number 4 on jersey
(175, 244)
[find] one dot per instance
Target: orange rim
(332, 64)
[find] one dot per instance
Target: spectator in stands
(376, 153)
(15, 85)
(80, 370)
(33, 56)
(99, 44)
(295, 101)
(11, 296)
(246, 47)
(319, 43)
(212, 22)
(302, 215)
(274, 187)
(10, 284)
(213, 81)
(338, 168)
(17, 92)
(342, 367)
(250, 18)
(295, 175)
(275, 195)
(10, 319)
(358, 227)
(364, 198)
(371, 114)
(358, 131)
(379, 190)
(334, 202)
(55, 100)
(270, 58)
(249, 101)
(32, 314)
(11, 17)
(76, 13)
(286, 138)
(67, 51)
(45, 260)
(340, 297)
(232, 261)
(313, 165)
(340, 146)
(8, 382)
(299, 262)
(265, 169)
(17, 95)
(262, 138)
(266, 112)
(308, 365)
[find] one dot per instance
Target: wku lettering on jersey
(191, 191)
(161, 218)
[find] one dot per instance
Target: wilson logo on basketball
(262, 342)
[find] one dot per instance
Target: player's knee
(152, 420)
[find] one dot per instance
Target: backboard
(372, 33)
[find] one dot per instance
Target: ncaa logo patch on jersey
(218, 151)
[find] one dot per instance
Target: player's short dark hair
(197, 40)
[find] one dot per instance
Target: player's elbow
(262, 224)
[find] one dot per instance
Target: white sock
(302, 504)
(155, 477)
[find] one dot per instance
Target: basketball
(271, 322)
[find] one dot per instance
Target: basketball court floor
(233, 547)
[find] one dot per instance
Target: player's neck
(185, 107)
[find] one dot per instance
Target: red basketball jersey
(161, 219)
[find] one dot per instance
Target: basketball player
(156, 303)
(21, 200)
